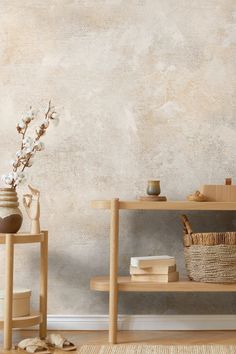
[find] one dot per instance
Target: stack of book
(158, 269)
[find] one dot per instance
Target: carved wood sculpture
(32, 207)
(197, 197)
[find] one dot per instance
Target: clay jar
(10, 215)
(153, 188)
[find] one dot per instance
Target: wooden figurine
(32, 207)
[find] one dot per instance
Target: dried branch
(29, 146)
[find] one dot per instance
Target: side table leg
(113, 290)
(8, 292)
(43, 284)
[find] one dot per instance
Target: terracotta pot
(10, 215)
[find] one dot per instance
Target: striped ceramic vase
(10, 215)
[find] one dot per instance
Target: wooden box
(21, 302)
(220, 193)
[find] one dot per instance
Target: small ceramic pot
(10, 215)
(153, 188)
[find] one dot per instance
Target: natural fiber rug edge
(157, 349)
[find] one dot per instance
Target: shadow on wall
(152, 233)
(70, 271)
(170, 303)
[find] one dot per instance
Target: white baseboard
(144, 322)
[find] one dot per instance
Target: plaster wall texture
(145, 89)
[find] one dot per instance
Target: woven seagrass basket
(209, 257)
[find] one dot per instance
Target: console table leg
(8, 292)
(113, 290)
(43, 284)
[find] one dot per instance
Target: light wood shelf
(26, 321)
(169, 205)
(8, 322)
(126, 285)
(23, 238)
(115, 284)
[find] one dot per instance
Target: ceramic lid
(17, 293)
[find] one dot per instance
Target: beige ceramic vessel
(10, 215)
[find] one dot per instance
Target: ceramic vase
(10, 215)
(153, 188)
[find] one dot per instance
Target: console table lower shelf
(126, 285)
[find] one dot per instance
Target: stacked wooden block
(158, 269)
(220, 192)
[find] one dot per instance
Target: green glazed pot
(153, 188)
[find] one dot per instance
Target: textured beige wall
(146, 89)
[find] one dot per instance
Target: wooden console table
(40, 318)
(113, 284)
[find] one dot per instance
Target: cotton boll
(8, 178)
(15, 163)
(28, 141)
(39, 146)
(29, 150)
(19, 175)
(16, 182)
(12, 175)
(20, 182)
(54, 115)
(27, 120)
(21, 125)
(30, 162)
(18, 153)
(28, 146)
(40, 131)
(45, 124)
(19, 178)
(29, 116)
(3, 178)
(8, 181)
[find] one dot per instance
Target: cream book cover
(156, 278)
(162, 269)
(150, 261)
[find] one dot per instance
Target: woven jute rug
(158, 349)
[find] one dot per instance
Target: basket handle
(186, 225)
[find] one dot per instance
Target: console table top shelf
(169, 205)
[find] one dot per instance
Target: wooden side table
(115, 284)
(40, 318)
